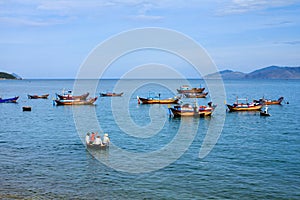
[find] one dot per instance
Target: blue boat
(9, 100)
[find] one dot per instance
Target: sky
(52, 38)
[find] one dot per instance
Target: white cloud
(242, 6)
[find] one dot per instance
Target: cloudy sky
(52, 38)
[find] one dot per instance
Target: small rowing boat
(97, 147)
(265, 112)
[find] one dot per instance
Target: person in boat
(209, 104)
(98, 141)
(87, 138)
(106, 140)
(266, 109)
(92, 138)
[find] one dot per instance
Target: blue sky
(51, 39)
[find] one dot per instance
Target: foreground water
(42, 155)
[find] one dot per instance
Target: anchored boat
(187, 89)
(45, 96)
(75, 102)
(269, 101)
(157, 101)
(111, 94)
(9, 100)
(253, 106)
(192, 110)
(69, 96)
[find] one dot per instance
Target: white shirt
(98, 141)
(87, 139)
(105, 139)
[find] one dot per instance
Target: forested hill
(4, 75)
(271, 72)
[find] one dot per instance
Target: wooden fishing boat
(69, 96)
(187, 89)
(151, 100)
(75, 102)
(111, 94)
(253, 106)
(269, 101)
(9, 100)
(196, 95)
(187, 110)
(45, 96)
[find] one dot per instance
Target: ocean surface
(42, 155)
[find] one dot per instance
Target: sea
(230, 155)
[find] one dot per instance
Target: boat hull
(264, 114)
(97, 147)
(178, 113)
(157, 101)
(45, 96)
(9, 100)
(75, 102)
(196, 95)
(111, 94)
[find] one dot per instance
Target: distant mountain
(4, 75)
(275, 72)
(272, 72)
(227, 74)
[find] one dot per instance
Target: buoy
(26, 108)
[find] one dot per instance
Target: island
(4, 76)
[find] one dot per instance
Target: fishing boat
(196, 95)
(192, 110)
(69, 96)
(9, 100)
(187, 89)
(151, 100)
(253, 106)
(45, 96)
(75, 102)
(111, 94)
(269, 101)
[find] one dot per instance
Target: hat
(105, 134)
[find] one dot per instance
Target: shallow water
(42, 156)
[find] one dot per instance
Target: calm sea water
(42, 155)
